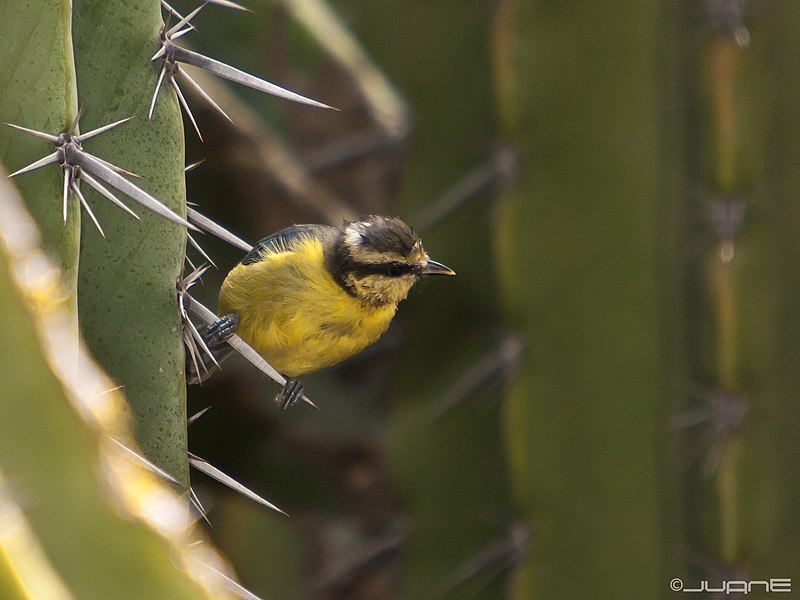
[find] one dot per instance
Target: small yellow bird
(310, 296)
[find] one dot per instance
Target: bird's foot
(214, 335)
(220, 331)
(292, 391)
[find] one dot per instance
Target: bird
(310, 296)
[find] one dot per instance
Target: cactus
(127, 279)
(577, 244)
(644, 265)
(736, 329)
(125, 288)
(37, 76)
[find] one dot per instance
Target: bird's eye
(395, 270)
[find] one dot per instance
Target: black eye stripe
(393, 269)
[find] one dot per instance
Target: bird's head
(378, 259)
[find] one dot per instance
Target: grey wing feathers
(283, 240)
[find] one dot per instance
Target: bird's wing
(284, 240)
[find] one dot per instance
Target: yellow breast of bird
(293, 313)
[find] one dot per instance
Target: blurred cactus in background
(577, 241)
(734, 92)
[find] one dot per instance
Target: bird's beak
(436, 268)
